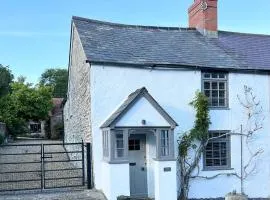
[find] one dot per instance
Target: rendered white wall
(150, 154)
(142, 110)
(165, 181)
(174, 90)
(115, 180)
(258, 184)
(112, 85)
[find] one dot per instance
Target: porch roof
(130, 101)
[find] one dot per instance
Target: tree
(6, 78)
(57, 79)
(25, 103)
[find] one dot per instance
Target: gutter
(169, 66)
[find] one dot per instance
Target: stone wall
(77, 120)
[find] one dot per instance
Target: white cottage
(129, 93)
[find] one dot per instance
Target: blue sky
(34, 34)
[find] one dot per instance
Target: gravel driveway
(56, 195)
(65, 171)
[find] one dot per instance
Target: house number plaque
(167, 169)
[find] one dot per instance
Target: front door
(137, 165)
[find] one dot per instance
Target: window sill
(116, 161)
(219, 108)
(218, 169)
(164, 159)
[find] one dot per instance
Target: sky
(34, 34)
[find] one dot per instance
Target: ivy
(194, 140)
(199, 133)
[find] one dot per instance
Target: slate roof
(131, 100)
(171, 46)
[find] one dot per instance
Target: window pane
(214, 75)
(216, 162)
(221, 75)
(215, 102)
(224, 161)
(209, 162)
(206, 75)
(137, 147)
(221, 85)
(214, 93)
(120, 153)
(206, 85)
(120, 144)
(119, 136)
(137, 142)
(207, 93)
(214, 85)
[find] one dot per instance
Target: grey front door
(137, 165)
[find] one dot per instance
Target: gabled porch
(138, 150)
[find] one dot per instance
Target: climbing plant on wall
(194, 140)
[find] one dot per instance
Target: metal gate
(41, 166)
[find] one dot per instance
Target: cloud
(32, 34)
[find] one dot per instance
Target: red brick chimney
(203, 16)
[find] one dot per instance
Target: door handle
(132, 164)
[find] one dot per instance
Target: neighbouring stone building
(129, 92)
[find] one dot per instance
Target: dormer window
(215, 87)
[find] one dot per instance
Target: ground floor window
(35, 128)
(217, 152)
(164, 142)
(119, 144)
(105, 143)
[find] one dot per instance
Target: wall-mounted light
(143, 122)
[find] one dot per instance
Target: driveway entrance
(39, 164)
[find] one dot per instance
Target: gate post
(89, 165)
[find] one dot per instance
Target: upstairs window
(217, 152)
(215, 87)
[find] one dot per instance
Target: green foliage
(25, 103)
(199, 133)
(57, 79)
(6, 78)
